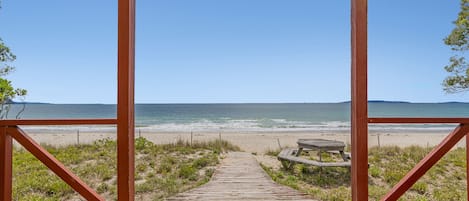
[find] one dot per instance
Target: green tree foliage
(458, 40)
(7, 91)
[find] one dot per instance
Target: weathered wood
(321, 144)
(289, 156)
(287, 164)
(240, 177)
(345, 155)
(287, 152)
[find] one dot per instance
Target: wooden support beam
(359, 105)
(50, 122)
(53, 164)
(426, 163)
(5, 165)
(467, 166)
(125, 100)
(417, 120)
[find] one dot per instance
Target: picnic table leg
(286, 164)
(342, 153)
(299, 152)
(290, 165)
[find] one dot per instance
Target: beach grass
(160, 170)
(445, 181)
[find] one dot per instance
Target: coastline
(249, 141)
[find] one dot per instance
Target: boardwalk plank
(240, 177)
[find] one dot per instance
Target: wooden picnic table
(322, 145)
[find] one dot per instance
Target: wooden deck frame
(360, 120)
(125, 124)
(9, 130)
(426, 163)
(5, 165)
(359, 98)
(125, 119)
(53, 164)
(125, 100)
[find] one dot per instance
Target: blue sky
(223, 51)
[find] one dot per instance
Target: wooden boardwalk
(240, 177)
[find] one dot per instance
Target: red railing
(9, 129)
(418, 120)
(431, 158)
(360, 120)
(56, 122)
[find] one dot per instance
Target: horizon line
(195, 103)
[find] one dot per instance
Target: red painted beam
(47, 122)
(359, 105)
(125, 100)
(53, 164)
(417, 120)
(5, 165)
(467, 166)
(426, 163)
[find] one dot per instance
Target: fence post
(219, 140)
(379, 142)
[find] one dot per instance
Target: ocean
(251, 117)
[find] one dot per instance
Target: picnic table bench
(290, 156)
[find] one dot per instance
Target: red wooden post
(5, 165)
(426, 163)
(359, 104)
(125, 100)
(467, 165)
(53, 164)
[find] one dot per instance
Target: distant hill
(383, 101)
(453, 102)
(15, 102)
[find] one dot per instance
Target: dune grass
(160, 170)
(445, 181)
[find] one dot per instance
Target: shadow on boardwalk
(240, 177)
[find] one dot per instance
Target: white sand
(255, 142)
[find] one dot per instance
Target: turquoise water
(294, 116)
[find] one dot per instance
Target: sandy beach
(254, 142)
